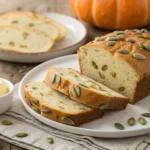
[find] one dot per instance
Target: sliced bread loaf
(119, 60)
(26, 20)
(57, 106)
(84, 89)
(24, 40)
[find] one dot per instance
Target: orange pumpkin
(113, 14)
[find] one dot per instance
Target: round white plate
(99, 128)
(74, 39)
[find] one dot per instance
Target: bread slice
(84, 89)
(24, 40)
(57, 106)
(26, 20)
(62, 29)
(122, 59)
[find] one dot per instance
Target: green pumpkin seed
(83, 85)
(46, 111)
(142, 121)
(103, 106)
(6, 122)
(34, 88)
(112, 38)
(121, 37)
(122, 88)
(139, 56)
(119, 126)
(97, 39)
(94, 65)
(113, 74)
(36, 109)
(141, 45)
(123, 51)
(35, 102)
(67, 121)
(145, 31)
(53, 78)
(119, 32)
(58, 80)
(130, 40)
(146, 115)
(105, 67)
(21, 135)
(140, 36)
(50, 140)
(111, 43)
(76, 92)
(101, 75)
(136, 30)
(131, 121)
(146, 46)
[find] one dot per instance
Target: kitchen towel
(38, 132)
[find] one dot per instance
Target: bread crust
(77, 118)
(88, 97)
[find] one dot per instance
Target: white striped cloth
(38, 132)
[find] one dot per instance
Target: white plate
(99, 128)
(75, 38)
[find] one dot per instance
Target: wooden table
(15, 71)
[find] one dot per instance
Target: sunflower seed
(130, 40)
(103, 106)
(6, 122)
(97, 39)
(36, 109)
(14, 21)
(46, 111)
(58, 80)
(50, 140)
(146, 115)
(119, 126)
(101, 75)
(78, 91)
(21, 135)
(142, 121)
(31, 24)
(34, 88)
(140, 36)
(146, 46)
(123, 51)
(131, 121)
(94, 65)
(111, 43)
(53, 78)
(83, 85)
(11, 43)
(35, 102)
(139, 56)
(67, 121)
(105, 67)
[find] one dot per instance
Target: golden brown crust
(78, 118)
(88, 96)
(140, 66)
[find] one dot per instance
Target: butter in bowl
(6, 93)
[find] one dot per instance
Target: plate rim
(51, 51)
(89, 132)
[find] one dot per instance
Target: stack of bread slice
(69, 97)
(29, 32)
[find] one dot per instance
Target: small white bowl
(6, 100)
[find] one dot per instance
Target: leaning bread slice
(25, 20)
(62, 29)
(57, 106)
(24, 40)
(84, 89)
